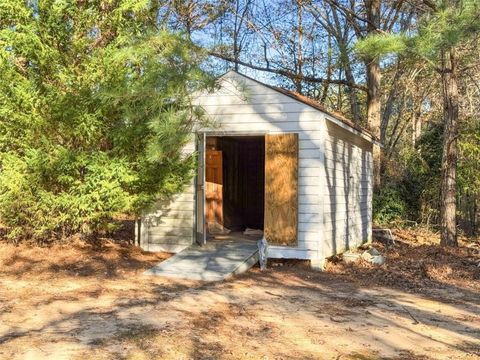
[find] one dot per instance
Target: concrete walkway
(215, 261)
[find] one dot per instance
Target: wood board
(281, 189)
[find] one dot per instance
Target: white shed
(273, 161)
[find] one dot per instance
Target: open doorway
(235, 186)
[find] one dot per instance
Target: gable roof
(316, 105)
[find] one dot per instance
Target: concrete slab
(215, 261)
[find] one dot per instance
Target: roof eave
(329, 115)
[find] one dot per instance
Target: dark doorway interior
(243, 180)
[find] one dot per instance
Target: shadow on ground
(51, 309)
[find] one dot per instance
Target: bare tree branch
(349, 13)
(289, 74)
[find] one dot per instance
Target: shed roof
(318, 106)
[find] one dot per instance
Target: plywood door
(214, 189)
(281, 184)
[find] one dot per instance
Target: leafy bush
(388, 206)
(93, 117)
(417, 179)
(63, 195)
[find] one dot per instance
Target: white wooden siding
(348, 196)
(169, 225)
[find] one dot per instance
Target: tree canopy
(94, 111)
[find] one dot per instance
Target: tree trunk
(448, 219)
(374, 114)
(417, 117)
(299, 67)
(474, 217)
(235, 47)
(236, 34)
(373, 85)
(352, 92)
(326, 84)
(417, 126)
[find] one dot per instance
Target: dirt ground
(77, 302)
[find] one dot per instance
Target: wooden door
(214, 190)
(281, 194)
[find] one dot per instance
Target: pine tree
(95, 107)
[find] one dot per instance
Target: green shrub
(93, 117)
(388, 206)
(66, 195)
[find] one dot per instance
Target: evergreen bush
(95, 109)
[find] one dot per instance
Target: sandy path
(281, 313)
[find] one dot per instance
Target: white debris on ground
(216, 228)
(351, 257)
(253, 232)
(371, 256)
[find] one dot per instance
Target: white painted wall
(168, 226)
(348, 197)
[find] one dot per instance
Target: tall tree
(369, 17)
(94, 111)
(372, 65)
(444, 40)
